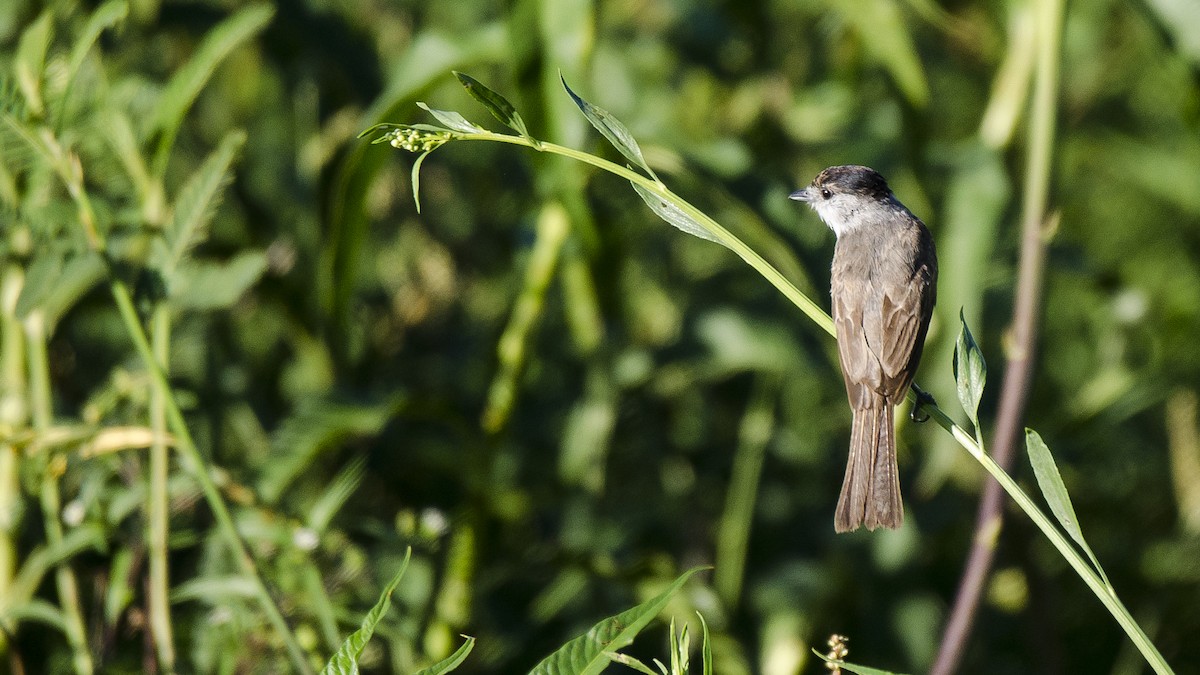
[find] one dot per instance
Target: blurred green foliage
(559, 402)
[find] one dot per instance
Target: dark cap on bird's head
(848, 179)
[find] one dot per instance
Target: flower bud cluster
(415, 140)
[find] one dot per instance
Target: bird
(883, 286)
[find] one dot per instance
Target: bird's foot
(924, 398)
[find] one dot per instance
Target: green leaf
(611, 128)
(631, 662)
(705, 646)
(674, 215)
(106, 16)
(183, 88)
(451, 662)
(345, 661)
(1055, 492)
(416, 179)
(216, 285)
(451, 119)
(40, 280)
(970, 371)
(496, 104)
(853, 667)
(30, 60)
(587, 654)
(198, 200)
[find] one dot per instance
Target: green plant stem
(1106, 594)
(194, 462)
(752, 258)
(733, 532)
(157, 507)
(41, 417)
(12, 416)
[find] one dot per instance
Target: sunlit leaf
(586, 654)
(674, 215)
(451, 119)
(1053, 489)
(416, 179)
(345, 661)
(970, 371)
(451, 662)
(611, 128)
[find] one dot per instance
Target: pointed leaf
(451, 662)
(451, 119)
(198, 199)
(106, 16)
(705, 647)
(1055, 492)
(218, 43)
(416, 179)
(585, 655)
(674, 215)
(611, 128)
(496, 104)
(345, 661)
(970, 371)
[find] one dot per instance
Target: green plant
(970, 367)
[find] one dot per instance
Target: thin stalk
(41, 417)
(1052, 532)
(157, 507)
(752, 258)
(13, 414)
(1018, 372)
(733, 533)
(194, 462)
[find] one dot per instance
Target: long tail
(871, 490)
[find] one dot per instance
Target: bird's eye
(825, 193)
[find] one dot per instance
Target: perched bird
(883, 288)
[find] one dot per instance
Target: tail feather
(871, 489)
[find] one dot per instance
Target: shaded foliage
(543, 391)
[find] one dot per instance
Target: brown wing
(860, 365)
(906, 311)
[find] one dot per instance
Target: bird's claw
(924, 398)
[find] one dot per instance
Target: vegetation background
(557, 401)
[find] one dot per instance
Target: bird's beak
(804, 195)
